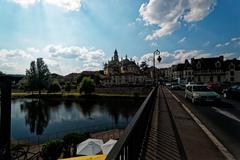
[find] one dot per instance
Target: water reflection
(47, 116)
(37, 115)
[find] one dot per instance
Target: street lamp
(157, 52)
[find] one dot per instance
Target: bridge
(165, 129)
(162, 128)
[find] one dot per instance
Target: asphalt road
(223, 119)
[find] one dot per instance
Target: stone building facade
(122, 72)
(203, 70)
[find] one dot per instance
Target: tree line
(38, 78)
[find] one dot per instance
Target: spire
(115, 55)
(126, 57)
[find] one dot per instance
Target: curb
(210, 135)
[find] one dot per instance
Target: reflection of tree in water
(87, 105)
(68, 104)
(37, 115)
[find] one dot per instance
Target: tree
(54, 87)
(38, 76)
(70, 142)
(31, 76)
(67, 86)
(87, 86)
(52, 149)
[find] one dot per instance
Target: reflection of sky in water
(60, 117)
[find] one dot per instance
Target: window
(219, 78)
(232, 73)
(232, 79)
(199, 79)
(231, 66)
(198, 65)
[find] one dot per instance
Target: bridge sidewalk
(162, 142)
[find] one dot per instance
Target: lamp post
(157, 52)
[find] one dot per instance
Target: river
(39, 120)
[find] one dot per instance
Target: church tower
(115, 57)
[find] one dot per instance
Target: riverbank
(99, 92)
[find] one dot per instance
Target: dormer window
(218, 64)
(231, 66)
(198, 65)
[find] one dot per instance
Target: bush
(87, 86)
(54, 87)
(52, 150)
(70, 143)
(67, 87)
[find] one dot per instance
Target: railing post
(5, 123)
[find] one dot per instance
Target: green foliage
(67, 86)
(94, 77)
(70, 143)
(1, 73)
(87, 86)
(38, 76)
(54, 87)
(52, 149)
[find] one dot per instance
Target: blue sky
(77, 35)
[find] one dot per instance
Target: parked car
(176, 87)
(232, 92)
(201, 93)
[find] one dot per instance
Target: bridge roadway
(175, 135)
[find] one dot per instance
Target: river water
(38, 120)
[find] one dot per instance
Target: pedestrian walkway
(174, 134)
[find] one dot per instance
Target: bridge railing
(130, 144)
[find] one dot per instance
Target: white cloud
(60, 59)
(175, 57)
(4, 53)
(68, 5)
(219, 45)
(235, 39)
(235, 42)
(25, 3)
(75, 52)
(154, 44)
(223, 45)
(182, 40)
(168, 15)
(92, 66)
(198, 9)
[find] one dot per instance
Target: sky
(77, 35)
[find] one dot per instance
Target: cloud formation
(182, 40)
(168, 15)
(175, 57)
(75, 52)
(25, 3)
(233, 41)
(67, 5)
(60, 59)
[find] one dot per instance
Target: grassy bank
(72, 94)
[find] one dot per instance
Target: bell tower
(115, 57)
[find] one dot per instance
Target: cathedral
(124, 72)
(125, 66)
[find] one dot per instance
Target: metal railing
(130, 144)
